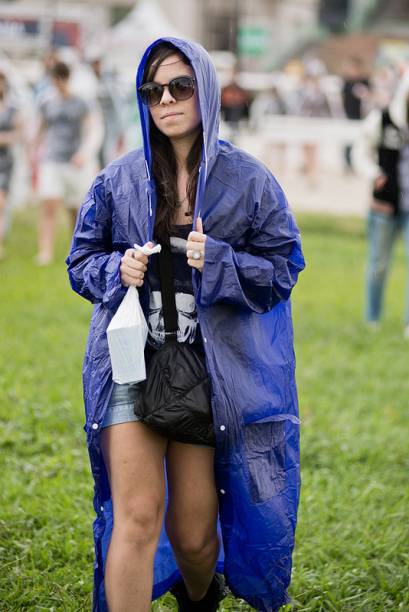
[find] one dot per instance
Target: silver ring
(196, 255)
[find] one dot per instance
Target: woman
(244, 257)
(312, 103)
(10, 132)
(382, 155)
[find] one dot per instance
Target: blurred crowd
(57, 130)
(305, 89)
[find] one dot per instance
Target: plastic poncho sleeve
(93, 267)
(263, 274)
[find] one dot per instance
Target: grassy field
(353, 532)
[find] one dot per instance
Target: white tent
(126, 41)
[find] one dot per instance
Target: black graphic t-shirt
(188, 327)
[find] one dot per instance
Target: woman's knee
(194, 544)
(139, 521)
(50, 206)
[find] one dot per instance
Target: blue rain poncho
(252, 260)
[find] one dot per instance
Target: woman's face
(176, 119)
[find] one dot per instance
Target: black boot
(209, 603)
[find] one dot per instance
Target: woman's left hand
(196, 245)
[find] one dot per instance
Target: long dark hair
(164, 168)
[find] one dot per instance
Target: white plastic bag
(127, 333)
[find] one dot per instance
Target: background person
(265, 105)
(108, 98)
(240, 264)
(312, 102)
(382, 155)
(69, 136)
(355, 95)
(10, 133)
(235, 105)
(43, 87)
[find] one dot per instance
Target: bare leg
(311, 163)
(46, 230)
(281, 149)
(2, 221)
(73, 212)
(275, 157)
(134, 457)
(191, 520)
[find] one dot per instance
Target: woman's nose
(167, 98)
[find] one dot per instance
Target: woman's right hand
(133, 267)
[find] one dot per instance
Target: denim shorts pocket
(125, 394)
(264, 448)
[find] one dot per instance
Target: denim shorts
(121, 405)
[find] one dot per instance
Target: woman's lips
(171, 115)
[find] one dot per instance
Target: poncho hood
(209, 102)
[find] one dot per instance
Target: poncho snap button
(222, 491)
(222, 427)
(94, 425)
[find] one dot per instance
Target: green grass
(353, 532)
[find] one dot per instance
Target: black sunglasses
(180, 88)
